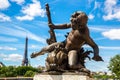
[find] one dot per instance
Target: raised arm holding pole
(52, 38)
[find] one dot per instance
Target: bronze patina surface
(69, 55)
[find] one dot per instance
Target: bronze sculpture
(69, 54)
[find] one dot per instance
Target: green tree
(29, 74)
(8, 71)
(21, 70)
(114, 65)
(12, 71)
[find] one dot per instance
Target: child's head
(79, 18)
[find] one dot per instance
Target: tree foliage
(8, 71)
(21, 70)
(29, 73)
(103, 77)
(114, 65)
(12, 71)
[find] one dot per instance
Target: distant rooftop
(1, 64)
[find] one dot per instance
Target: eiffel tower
(25, 59)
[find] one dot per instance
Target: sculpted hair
(79, 14)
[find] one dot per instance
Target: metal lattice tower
(25, 59)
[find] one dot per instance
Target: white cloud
(97, 5)
(13, 57)
(100, 38)
(7, 48)
(35, 46)
(59, 34)
(91, 16)
(89, 3)
(105, 47)
(96, 66)
(4, 17)
(26, 17)
(2, 55)
(18, 1)
(112, 34)
(8, 39)
(20, 32)
(109, 47)
(97, 28)
(31, 11)
(112, 10)
(4, 4)
(54, 1)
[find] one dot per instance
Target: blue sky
(21, 18)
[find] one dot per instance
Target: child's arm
(61, 26)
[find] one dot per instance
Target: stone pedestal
(65, 76)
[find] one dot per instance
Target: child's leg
(44, 50)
